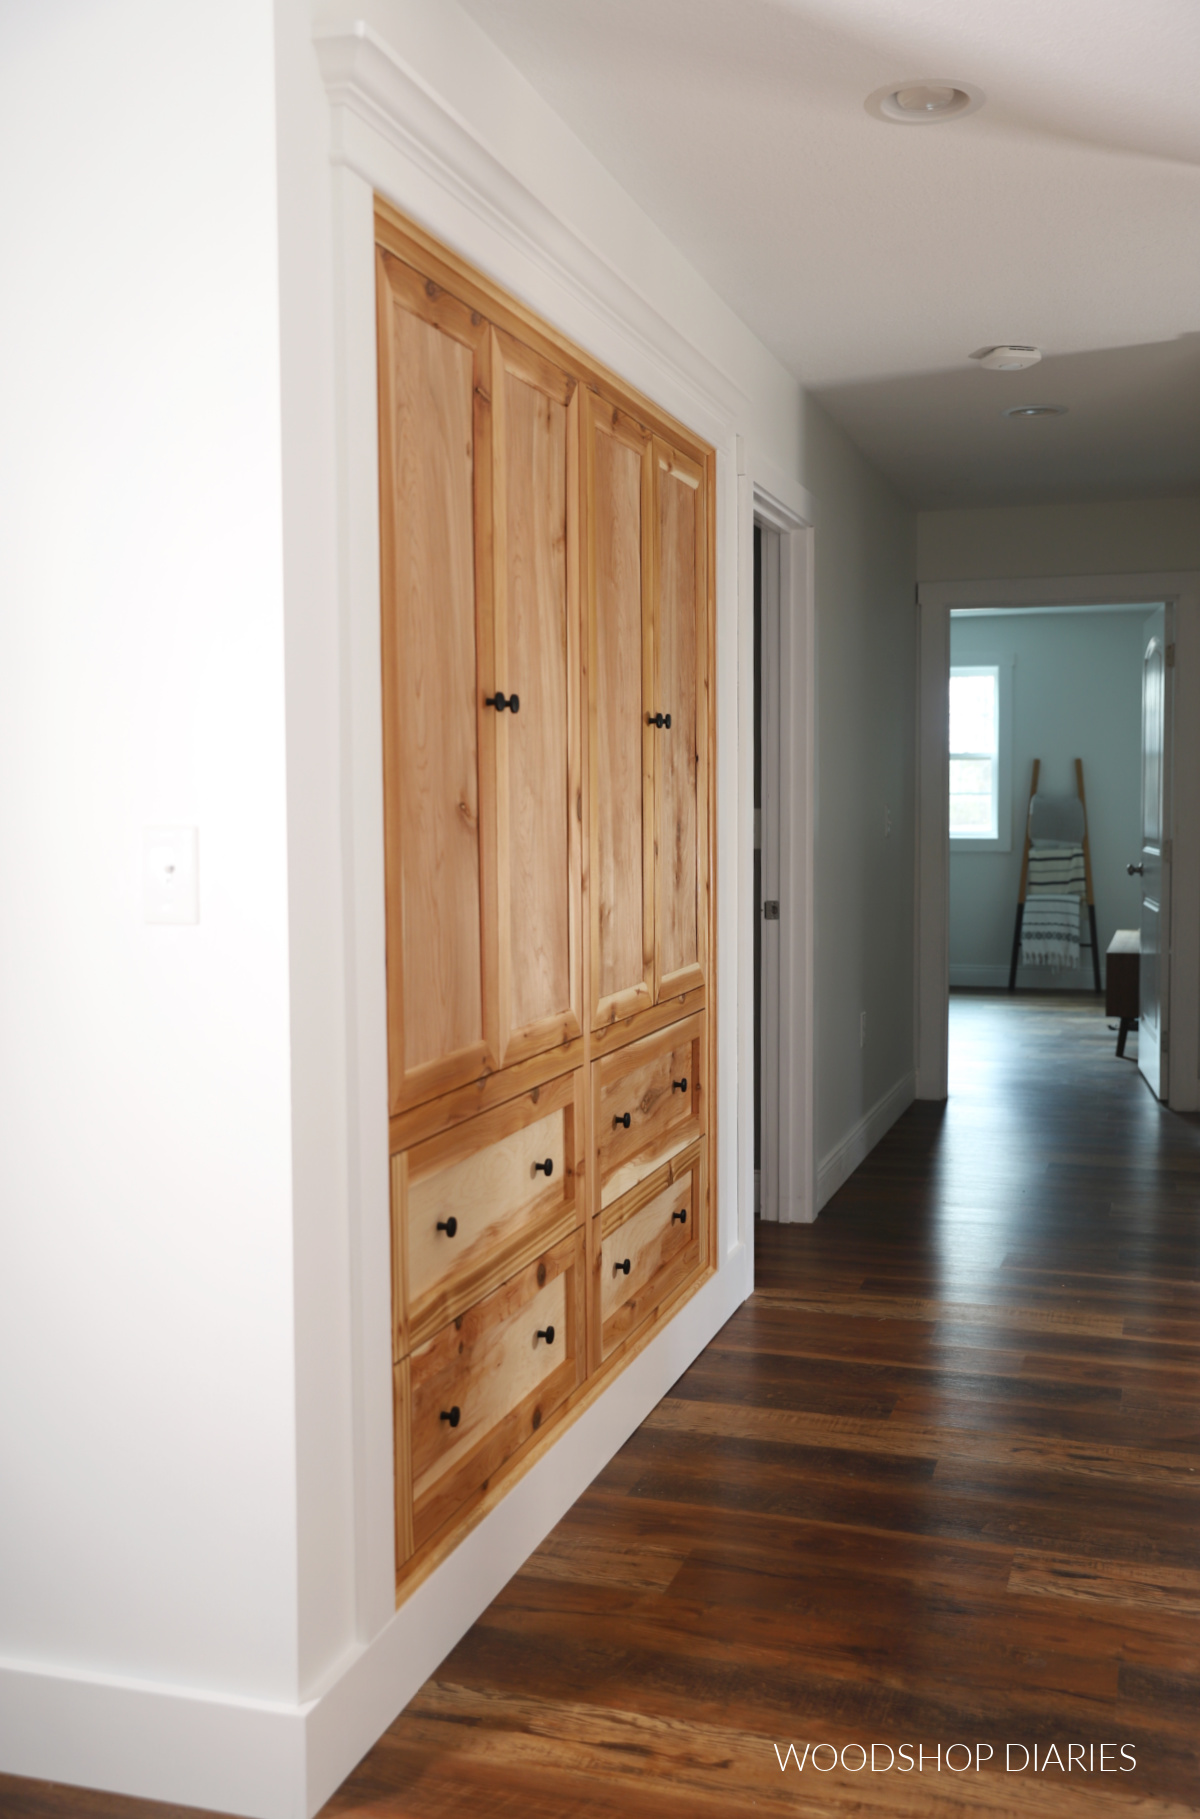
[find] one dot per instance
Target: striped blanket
(1050, 931)
(1055, 868)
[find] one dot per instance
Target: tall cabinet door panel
(680, 748)
(435, 452)
(539, 807)
(621, 752)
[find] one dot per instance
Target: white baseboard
(281, 1761)
(1029, 978)
(840, 1163)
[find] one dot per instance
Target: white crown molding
(366, 79)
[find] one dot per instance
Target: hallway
(937, 1480)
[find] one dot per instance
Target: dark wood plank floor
(937, 1482)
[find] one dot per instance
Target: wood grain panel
(658, 1083)
(504, 1380)
(661, 1248)
(680, 762)
(620, 681)
(482, 1177)
(401, 1403)
(434, 512)
(537, 658)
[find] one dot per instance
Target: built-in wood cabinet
(546, 558)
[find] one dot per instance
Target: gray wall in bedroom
(1076, 694)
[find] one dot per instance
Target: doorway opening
(778, 795)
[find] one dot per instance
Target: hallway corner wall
(866, 783)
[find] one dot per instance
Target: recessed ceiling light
(924, 100)
(1035, 410)
(1012, 358)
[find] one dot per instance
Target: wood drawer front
(661, 1248)
(640, 1082)
(480, 1177)
(490, 1365)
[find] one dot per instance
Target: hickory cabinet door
(621, 752)
(680, 595)
(435, 449)
(539, 807)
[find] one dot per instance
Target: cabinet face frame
(423, 1114)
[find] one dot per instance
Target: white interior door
(1155, 859)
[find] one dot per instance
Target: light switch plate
(170, 881)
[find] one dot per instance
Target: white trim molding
(378, 99)
(787, 511)
(841, 1162)
(937, 599)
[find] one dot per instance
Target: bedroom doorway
(1051, 730)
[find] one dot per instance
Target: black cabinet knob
(659, 720)
(452, 1415)
(679, 1086)
(547, 1167)
(449, 1226)
(501, 701)
(546, 1333)
(681, 1215)
(621, 1118)
(618, 1268)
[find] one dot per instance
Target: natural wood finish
(482, 1176)
(410, 241)
(481, 1095)
(620, 679)
(645, 1022)
(661, 1249)
(435, 492)
(681, 752)
(641, 1081)
(403, 1444)
(535, 404)
(539, 805)
(490, 1364)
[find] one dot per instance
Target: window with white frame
(975, 751)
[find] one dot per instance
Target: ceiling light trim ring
(1035, 410)
(924, 101)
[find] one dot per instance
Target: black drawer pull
(452, 1415)
(449, 1226)
(547, 1167)
(501, 701)
(547, 1333)
(619, 1267)
(659, 720)
(679, 1086)
(621, 1118)
(681, 1215)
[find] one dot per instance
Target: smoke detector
(1007, 359)
(924, 100)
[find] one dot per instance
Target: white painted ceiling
(874, 258)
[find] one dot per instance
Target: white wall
(1076, 682)
(1108, 537)
(192, 1604)
(866, 756)
(146, 1411)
